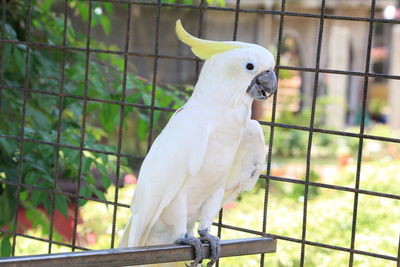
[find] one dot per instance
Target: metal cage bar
(2, 48)
(234, 247)
(22, 131)
(362, 129)
(141, 255)
(154, 80)
(272, 131)
(60, 114)
(121, 123)
(83, 124)
(254, 10)
(310, 135)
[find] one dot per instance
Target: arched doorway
(290, 81)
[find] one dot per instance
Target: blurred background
(67, 67)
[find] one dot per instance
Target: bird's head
(232, 68)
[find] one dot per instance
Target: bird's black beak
(263, 85)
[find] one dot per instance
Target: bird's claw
(215, 246)
(198, 248)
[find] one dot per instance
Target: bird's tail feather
(124, 242)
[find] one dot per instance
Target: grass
(329, 220)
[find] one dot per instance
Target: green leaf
(11, 34)
(37, 197)
(83, 10)
(108, 7)
(46, 5)
(28, 147)
(96, 132)
(23, 196)
(146, 97)
(156, 118)
(8, 145)
(166, 100)
(40, 166)
(105, 177)
(86, 192)
(109, 117)
(31, 214)
(105, 24)
(103, 157)
(102, 169)
(119, 63)
(31, 178)
(133, 98)
(19, 60)
(62, 204)
(90, 179)
(40, 119)
(142, 128)
(7, 206)
(72, 156)
(5, 247)
(218, 2)
(38, 218)
(105, 181)
(87, 162)
(47, 203)
(97, 192)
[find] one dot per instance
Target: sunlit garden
(76, 125)
(377, 229)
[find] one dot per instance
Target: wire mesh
(152, 108)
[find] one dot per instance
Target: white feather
(248, 162)
(209, 151)
(163, 173)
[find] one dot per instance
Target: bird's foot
(215, 246)
(198, 248)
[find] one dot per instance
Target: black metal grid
(156, 55)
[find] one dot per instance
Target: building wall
(257, 28)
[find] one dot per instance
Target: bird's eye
(250, 66)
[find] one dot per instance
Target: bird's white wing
(248, 163)
(176, 153)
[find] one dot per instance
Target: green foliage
(329, 220)
(42, 110)
(376, 106)
(5, 247)
(190, 2)
(286, 74)
(294, 142)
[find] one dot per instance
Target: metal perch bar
(142, 255)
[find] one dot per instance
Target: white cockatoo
(209, 151)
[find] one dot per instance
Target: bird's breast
(218, 160)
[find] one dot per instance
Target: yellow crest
(203, 49)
